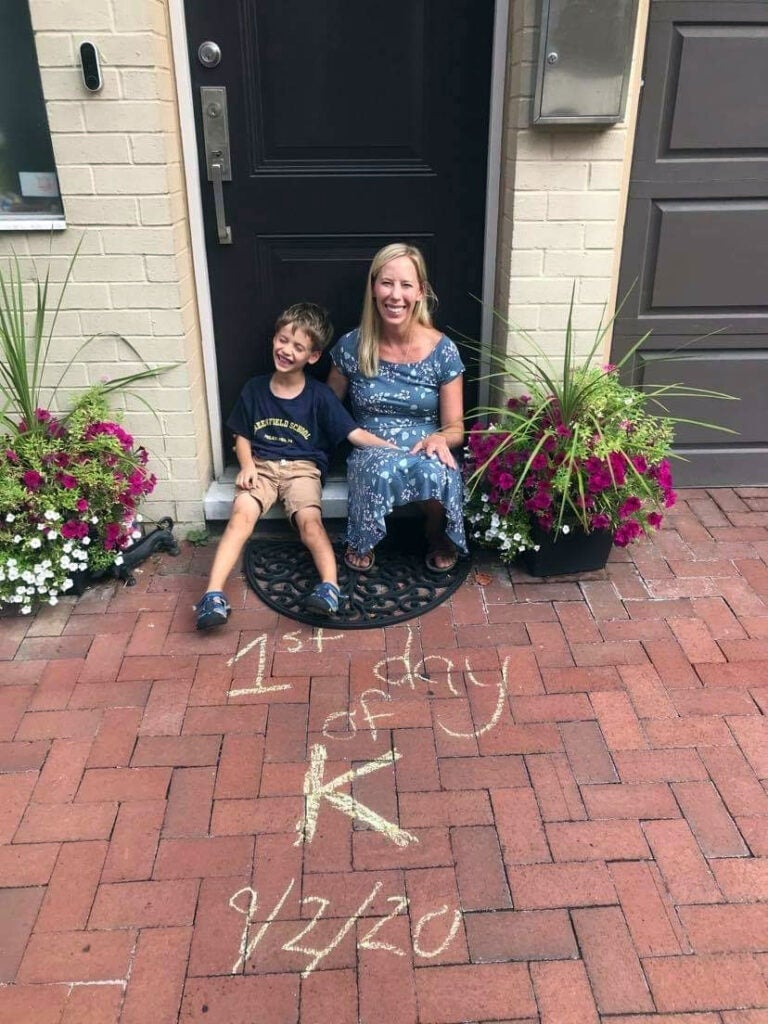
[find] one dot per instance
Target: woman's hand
(435, 446)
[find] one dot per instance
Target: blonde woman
(404, 380)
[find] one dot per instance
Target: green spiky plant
(578, 449)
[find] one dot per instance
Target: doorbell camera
(90, 67)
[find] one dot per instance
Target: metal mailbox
(585, 51)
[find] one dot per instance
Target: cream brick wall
(119, 160)
(562, 206)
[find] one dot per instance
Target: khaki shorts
(294, 482)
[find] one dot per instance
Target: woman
(405, 383)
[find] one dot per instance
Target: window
(29, 188)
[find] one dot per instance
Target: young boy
(286, 425)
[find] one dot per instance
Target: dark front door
(696, 234)
(352, 124)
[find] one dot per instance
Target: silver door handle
(222, 229)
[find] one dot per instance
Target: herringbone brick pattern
(546, 801)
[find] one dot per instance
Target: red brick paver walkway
(543, 802)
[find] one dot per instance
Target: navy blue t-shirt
(308, 426)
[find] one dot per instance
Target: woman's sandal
(441, 570)
(369, 560)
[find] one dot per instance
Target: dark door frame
(194, 188)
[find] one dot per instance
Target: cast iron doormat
(398, 587)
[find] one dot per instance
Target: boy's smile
(293, 349)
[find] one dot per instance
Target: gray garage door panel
(711, 255)
(695, 251)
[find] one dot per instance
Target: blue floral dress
(401, 404)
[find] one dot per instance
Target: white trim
(196, 228)
(493, 186)
(32, 224)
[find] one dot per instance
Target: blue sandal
(324, 599)
(212, 610)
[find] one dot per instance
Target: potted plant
(70, 484)
(573, 464)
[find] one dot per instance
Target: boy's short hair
(312, 319)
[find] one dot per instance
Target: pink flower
(66, 480)
(626, 533)
(74, 529)
(618, 464)
(506, 481)
(12, 457)
(42, 415)
(629, 506)
(112, 533)
(81, 505)
(600, 521)
(31, 479)
(669, 498)
(640, 463)
(62, 460)
(539, 461)
(654, 519)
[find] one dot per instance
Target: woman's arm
(338, 383)
(451, 432)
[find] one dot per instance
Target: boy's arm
(364, 439)
(247, 475)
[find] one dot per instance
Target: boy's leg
(246, 511)
(309, 523)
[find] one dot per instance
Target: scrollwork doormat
(398, 587)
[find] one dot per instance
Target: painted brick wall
(121, 176)
(562, 206)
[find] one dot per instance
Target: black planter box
(565, 553)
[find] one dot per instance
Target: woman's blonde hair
(370, 321)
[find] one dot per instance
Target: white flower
(35, 542)
(566, 528)
(51, 535)
(85, 540)
(11, 561)
(17, 539)
(67, 547)
(26, 609)
(94, 519)
(53, 599)
(536, 547)
(136, 534)
(51, 515)
(67, 584)
(10, 517)
(138, 518)
(119, 560)
(517, 536)
(41, 526)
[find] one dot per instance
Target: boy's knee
(245, 513)
(309, 523)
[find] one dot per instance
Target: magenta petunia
(506, 481)
(32, 480)
(629, 506)
(81, 505)
(66, 480)
(600, 521)
(654, 519)
(12, 457)
(74, 529)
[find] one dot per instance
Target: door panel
(695, 247)
(352, 125)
